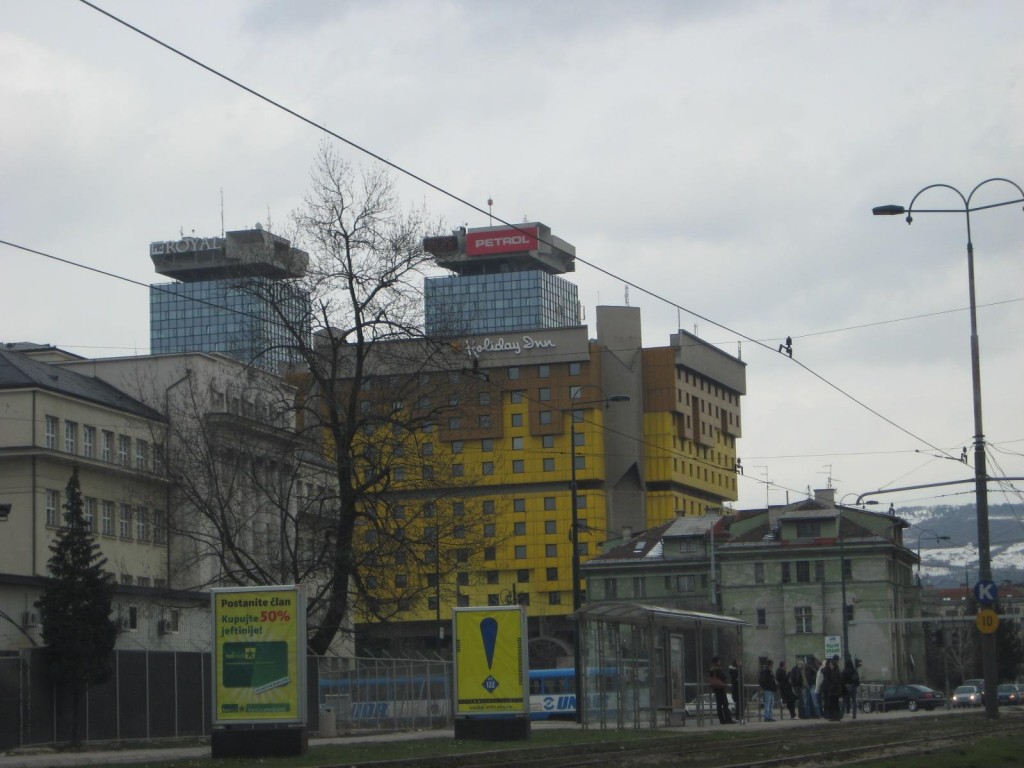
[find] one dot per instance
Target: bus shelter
(645, 666)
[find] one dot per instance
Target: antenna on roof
(222, 211)
(490, 217)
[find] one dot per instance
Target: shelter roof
(641, 613)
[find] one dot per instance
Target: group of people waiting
(809, 690)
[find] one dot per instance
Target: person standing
(831, 687)
(851, 681)
(786, 689)
(718, 682)
(796, 682)
(769, 688)
(810, 680)
(736, 678)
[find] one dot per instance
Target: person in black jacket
(851, 681)
(796, 680)
(786, 689)
(736, 678)
(719, 683)
(831, 689)
(769, 687)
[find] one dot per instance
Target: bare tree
(373, 390)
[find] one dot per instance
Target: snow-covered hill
(953, 562)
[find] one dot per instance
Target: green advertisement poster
(259, 638)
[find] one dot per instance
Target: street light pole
(574, 536)
(989, 651)
(926, 533)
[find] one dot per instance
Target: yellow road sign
(987, 621)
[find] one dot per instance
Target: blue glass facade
(499, 302)
(232, 317)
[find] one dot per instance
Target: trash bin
(328, 725)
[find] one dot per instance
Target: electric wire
(400, 169)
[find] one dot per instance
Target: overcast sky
(721, 157)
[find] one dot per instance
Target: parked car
(967, 696)
(1009, 693)
(913, 697)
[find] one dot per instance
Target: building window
(492, 599)
(142, 524)
(490, 529)
(107, 525)
(107, 447)
(520, 551)
(488, 506)
(785, 573)
(544, 394)
(574, 369)
(547, 441)
(89, 442)
(454, 422)
(519, 529)
(545, 417)
(462, 579)
(819, 570)
(639, 586)
(762, 617)
(125, 530)
(686, 583)
(485, 398)
(543, 371)
(124, 450)
(549, 465)
(70, 437)
(517, 443)
(513, 373)
(518, 505)
(552, 574)
(554, 598)
(516, 397)
(458, 470)
(580, 462)
(847, 569)
(517, 419)
(51, 432)
(523, 576)
(803, 572)
(159, 531)
(487, 468)
(808, 529)
(483, 421)
(456, 446)
(581, 502)
(849, 612)
(141, 455)
(551, 550)
(518, 466)
(53, 508)
(803, 619)
(487, 445)
(489, 553)
(550, 526)
(611, 590)
(759, 573)
(89, 514)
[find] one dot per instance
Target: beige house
(52, 419)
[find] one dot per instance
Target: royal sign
(495, 241)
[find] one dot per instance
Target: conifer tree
(75, 607)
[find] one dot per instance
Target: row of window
(124, 521)
(101, 444)
(803, 570)
(489, 506)
(802, 616)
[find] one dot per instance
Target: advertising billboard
(491, 661)
(259, 660)
(493, 241)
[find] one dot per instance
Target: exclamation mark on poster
(489, 634)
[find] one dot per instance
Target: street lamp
(574, 532)
(926, 533)
(989, 652)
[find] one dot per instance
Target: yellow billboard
(259, 641)
(491, 661)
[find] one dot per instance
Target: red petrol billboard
(502, 241)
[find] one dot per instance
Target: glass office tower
(236, 295)
(506, 279)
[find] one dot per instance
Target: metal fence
(166, 695)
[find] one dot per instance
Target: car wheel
(912, 705)
(867, 707)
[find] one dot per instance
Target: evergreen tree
(75, 607)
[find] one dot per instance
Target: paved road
(46, 758)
